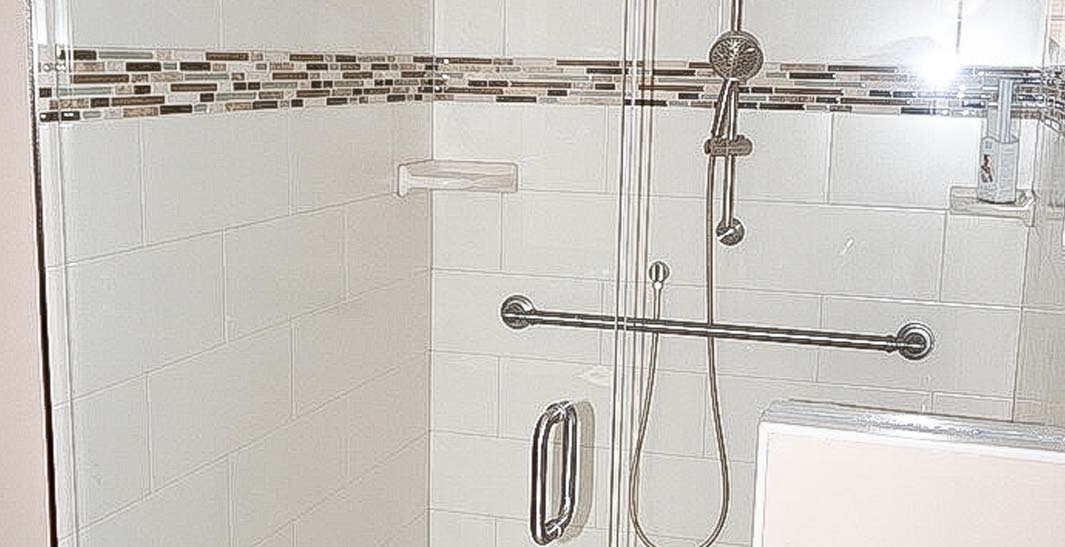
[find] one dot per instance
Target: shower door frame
(631, 255)
(25, 470)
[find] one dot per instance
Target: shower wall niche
(239, 306)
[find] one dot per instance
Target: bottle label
(997, 176)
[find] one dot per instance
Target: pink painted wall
(23, 462)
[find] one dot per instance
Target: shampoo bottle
(1000, 151)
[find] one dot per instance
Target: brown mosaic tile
(114, 83)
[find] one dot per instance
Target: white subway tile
(557, 234)
(466, 231)
(191, 512)
(206, 173)
(482, 132)
(675, 424)
(789, 163)
(790, 159)
(902, 160)
(301, 465)
(261, 24)
(556, 28)
(898, 32)
(520, 407)
(681, 497)
(415, 533)
(984, 260)
(561, 148)
(678, 165)
(341, 155)
(386, 415)
(466, 316)
(686, 28)
(807, 248)
(111, 450)
(469, 27)
(285, 538)
(744, 308)
(479, 475)
(1004, 32)
(138, 310)
(279, 269)
(101, 188)
(975, 352)
(412, 131)
(458, 530)
(180, 23)
(387, 239)
(370, 510)
(400, 26)
(283, 475)
(1040, 377)
(465, 393)
(972, 407)
(744, 399)
(342, 347)
(214, 403)
(1044, 286)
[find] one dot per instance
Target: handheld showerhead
(737, 55)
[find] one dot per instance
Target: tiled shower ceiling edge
(107, 84)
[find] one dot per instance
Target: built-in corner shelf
(963, 201)
(470, 176)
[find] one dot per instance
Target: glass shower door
(239, 304)
(854, 146)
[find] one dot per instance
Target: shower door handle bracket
(544, 529)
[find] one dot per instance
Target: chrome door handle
(544, 529)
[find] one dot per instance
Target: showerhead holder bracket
(721, 147)
(732, 234)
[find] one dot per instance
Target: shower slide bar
(914, 341)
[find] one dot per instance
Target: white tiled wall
(923, 32)
(1041, 366)
(848, 229)
(364, 25)
(247, 312)
(249, 309)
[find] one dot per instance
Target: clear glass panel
(256, 343)
(239, 304)
(862, 119)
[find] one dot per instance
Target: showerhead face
(736, 55)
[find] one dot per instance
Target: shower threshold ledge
(469, 176)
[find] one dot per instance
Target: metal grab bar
(546, 530)
(914, 341)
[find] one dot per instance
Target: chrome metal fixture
(546, 530)
(914, 341)
(736, 57)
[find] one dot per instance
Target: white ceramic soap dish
(470, 176)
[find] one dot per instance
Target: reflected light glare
(939, 69)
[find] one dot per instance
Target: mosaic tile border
(866, 89)
(96, 84)
(130, 83)
(1054, 91)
